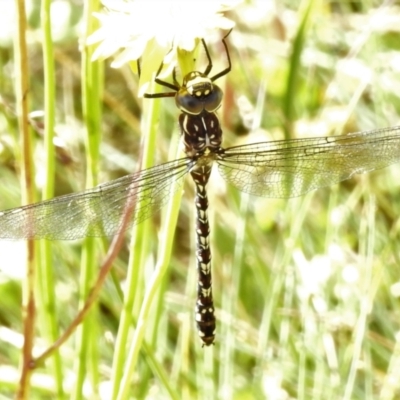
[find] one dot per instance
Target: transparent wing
(293, 167)
(97, 211)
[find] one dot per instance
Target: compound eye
(188, 103)
(213, 101)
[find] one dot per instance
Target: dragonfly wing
(290, 168)
(98, 211)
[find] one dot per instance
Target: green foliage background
(306, 289)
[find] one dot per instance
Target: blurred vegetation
(306, 289)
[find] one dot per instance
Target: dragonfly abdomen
(205, 318)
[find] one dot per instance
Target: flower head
(150, 30)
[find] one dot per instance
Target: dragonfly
(279, 169)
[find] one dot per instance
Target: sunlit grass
(305, 289)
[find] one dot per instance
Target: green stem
(91, 99)
(46, 280)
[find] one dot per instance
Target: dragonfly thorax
(198, 93)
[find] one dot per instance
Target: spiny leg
(229, 67)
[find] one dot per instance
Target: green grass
(305, 289)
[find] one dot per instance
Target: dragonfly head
(198, 93)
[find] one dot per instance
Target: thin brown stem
(22, 94)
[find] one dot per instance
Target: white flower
(152, 28)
